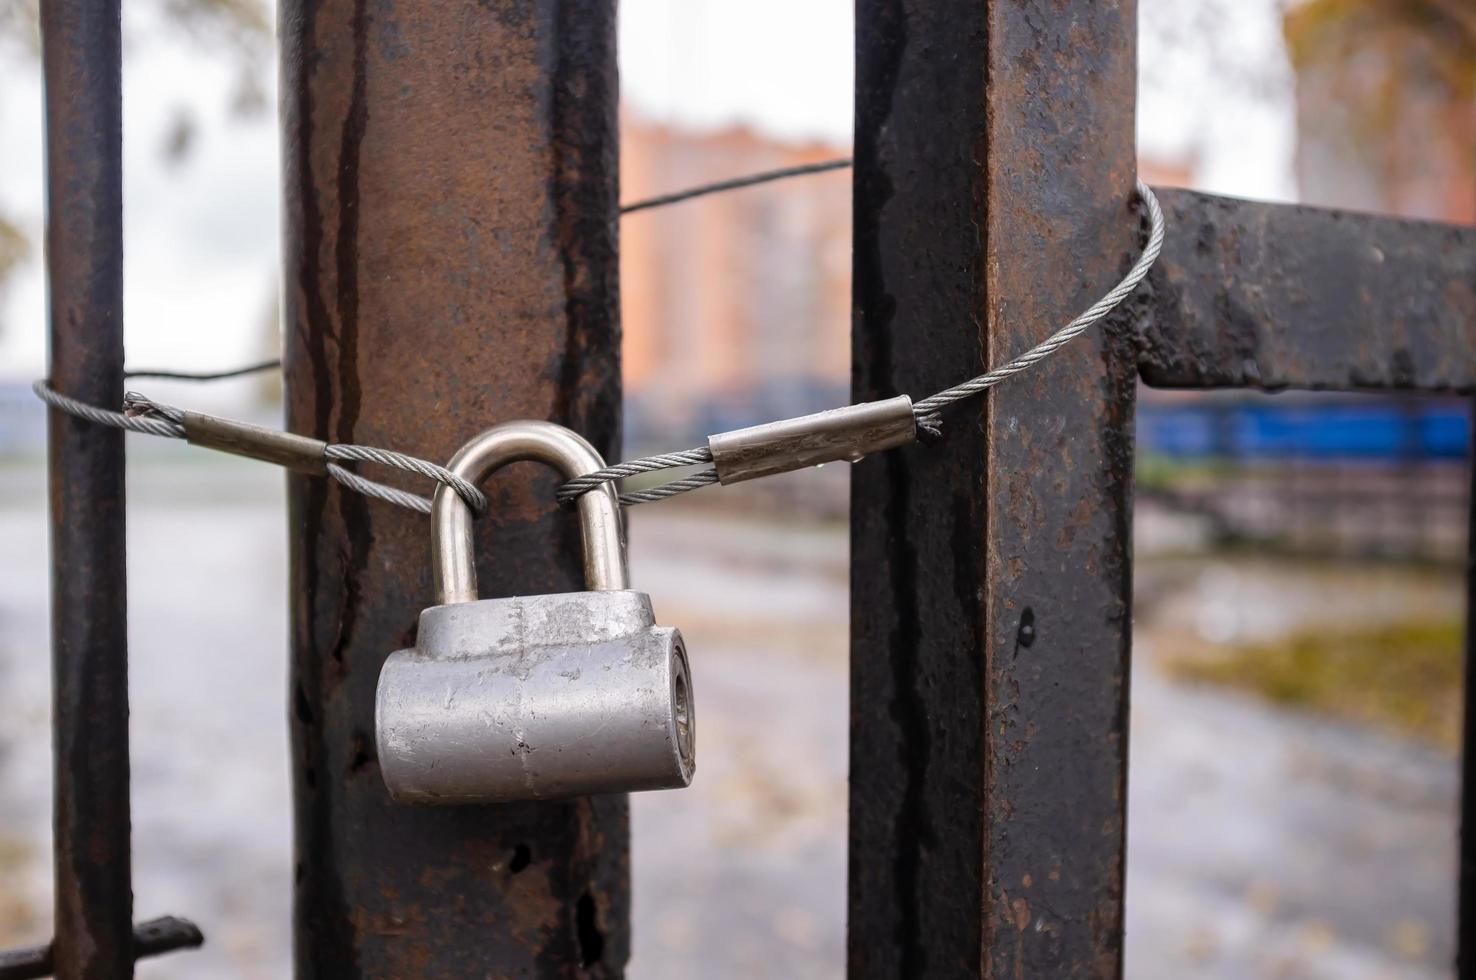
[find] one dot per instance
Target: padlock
(541, 696)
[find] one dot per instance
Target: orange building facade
(1386, 105)
(736, 307)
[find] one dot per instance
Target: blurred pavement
(1261, 844)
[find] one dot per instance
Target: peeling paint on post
(450, 257)
(991, 586)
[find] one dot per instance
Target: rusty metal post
(1466, 872)
(81, 55)
(450, 263)
(990, 577)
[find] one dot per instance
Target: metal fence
(992, 576)
(425, 148)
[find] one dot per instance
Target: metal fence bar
(150, 938)
(990, 576)
(1254, 295)
(81, 57)
(451, 200)
(1466, 872)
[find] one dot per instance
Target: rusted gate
(991, 582)
(450, 181)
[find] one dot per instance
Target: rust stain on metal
(1466, 873)
(1021, 909)
(81, 58)
(1255, 295)
(975, 757)
(450, 255)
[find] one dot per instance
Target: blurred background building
(738, 307)
(1386, 105)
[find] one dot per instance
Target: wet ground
(1261, 843)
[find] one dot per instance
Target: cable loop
(143, 414)
(387, 457)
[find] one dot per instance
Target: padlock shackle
(452, 554)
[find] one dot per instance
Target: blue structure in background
(1301, 425)
(1331, 427)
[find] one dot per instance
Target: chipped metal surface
(450, 216)
(1254, 295)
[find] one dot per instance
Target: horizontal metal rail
(149, 939)
(1254, 295)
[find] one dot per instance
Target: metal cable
(100, 416)
(388, 457)
(142, 414)
(136, 405)
(702, 478)
(729, 185)
(580, 485)
(273, 364)
(153, 418)
(931, 405)
(380, 491)
(925, 411)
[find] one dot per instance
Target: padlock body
(536, 697)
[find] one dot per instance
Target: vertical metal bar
(81, 54)
(990, 578)
(451, 196)
(1466, 911)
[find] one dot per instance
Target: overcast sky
(202, 237)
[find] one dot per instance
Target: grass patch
(1157, 471)
(1404, 677)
